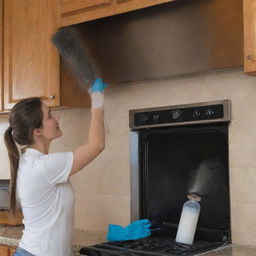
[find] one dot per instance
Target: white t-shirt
(47, 202)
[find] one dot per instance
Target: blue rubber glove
(136, 230)
(96, 93)
(98, 85)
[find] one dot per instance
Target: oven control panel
(181, 115)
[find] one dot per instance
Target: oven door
(169, 163)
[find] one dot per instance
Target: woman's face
(50, 129)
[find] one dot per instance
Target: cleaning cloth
(136, 230)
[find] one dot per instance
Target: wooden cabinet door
(12, 250)
(78, 11)
(74, 5)
(4, 250)
(31, 62)
(1, 54)
(250, 36)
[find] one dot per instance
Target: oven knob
(209, 112)
(176, 114)
(155, 117)
(143, 118)
(196, 114)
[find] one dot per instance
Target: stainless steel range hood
(180, 37)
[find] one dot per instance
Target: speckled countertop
(11, 235)
(232, 250)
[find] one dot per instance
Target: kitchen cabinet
(12, 250)
(75, 5)
(7, 250)
(6, 218)
(250, 36)
(31, 62)
(1, 54)
(4, 250)
(78, 11)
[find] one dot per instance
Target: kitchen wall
(103, 190)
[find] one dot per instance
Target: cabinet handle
(122, 1)
(250, 58)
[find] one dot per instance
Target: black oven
(177, 150)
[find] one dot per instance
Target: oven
(175, 151)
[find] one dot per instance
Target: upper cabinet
(78, 11)
(31, 62)
(250, 36)
(75, 5)
(1, 55)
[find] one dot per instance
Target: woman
(40, 181)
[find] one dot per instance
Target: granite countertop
(232, 250)
(10, 235)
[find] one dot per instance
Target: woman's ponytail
(25, 117)
(14, 163)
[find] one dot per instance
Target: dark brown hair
(25, 116)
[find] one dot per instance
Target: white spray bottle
(188, 220)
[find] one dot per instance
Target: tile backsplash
(102, 189)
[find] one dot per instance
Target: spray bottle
(188, 220)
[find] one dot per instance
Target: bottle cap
(195, 197)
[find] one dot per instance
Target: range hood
(181, 37)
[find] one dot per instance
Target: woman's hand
(98, 85)
(96, 92)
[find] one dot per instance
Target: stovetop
(154, 246)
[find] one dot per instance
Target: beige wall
(103, 189)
